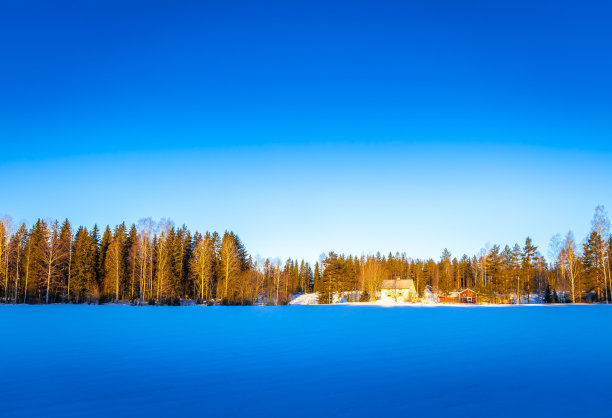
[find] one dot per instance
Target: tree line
(513, 274)
(158, 263)
(146, 263)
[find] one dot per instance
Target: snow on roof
(397, 284)
(453, 294)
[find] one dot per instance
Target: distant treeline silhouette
(158, 263)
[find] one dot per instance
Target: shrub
(364, 297)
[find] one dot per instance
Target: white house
(398, 291)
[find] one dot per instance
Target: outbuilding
(452, 297)
(468, 296)
(464, 296)
(398, 291)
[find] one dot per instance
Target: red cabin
(468, 296)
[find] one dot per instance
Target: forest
(158, 263)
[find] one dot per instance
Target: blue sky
(311, 126)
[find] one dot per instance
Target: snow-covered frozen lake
(305, 361)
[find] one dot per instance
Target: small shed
(468, 296)
(398, 291)
(452, 297)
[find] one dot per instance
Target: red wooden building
(468, 296)
(464, 296)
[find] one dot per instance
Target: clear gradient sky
(305, 127)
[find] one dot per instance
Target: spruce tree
(316, 278)
(83, 265)
(34, 271)
(548, 297)
(591, 264)
(95, 235)
(107, 238)
(132, 259)
(67, 250)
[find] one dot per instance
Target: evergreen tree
(317, 278)
(529, 255)
(107, 238)
(83, 265)
(592, 277)
(95, 235)
(4, 239)
(517, 256)
(331, 278)
(66, 248)
(132, 259)
(548, 297)
(34, 272)
(445, 284)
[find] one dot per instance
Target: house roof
(453, 294)
(397, 284)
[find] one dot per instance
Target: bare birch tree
(163, 257)
(571, 262)
(230, 262)
(50, 255)
(5, 234)
(601, 225)
(19, 239)
(554, 247)
(145, 227)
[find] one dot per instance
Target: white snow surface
(344, 360)
(305, 299)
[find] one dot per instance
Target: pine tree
(529, 255)
(330, 279)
